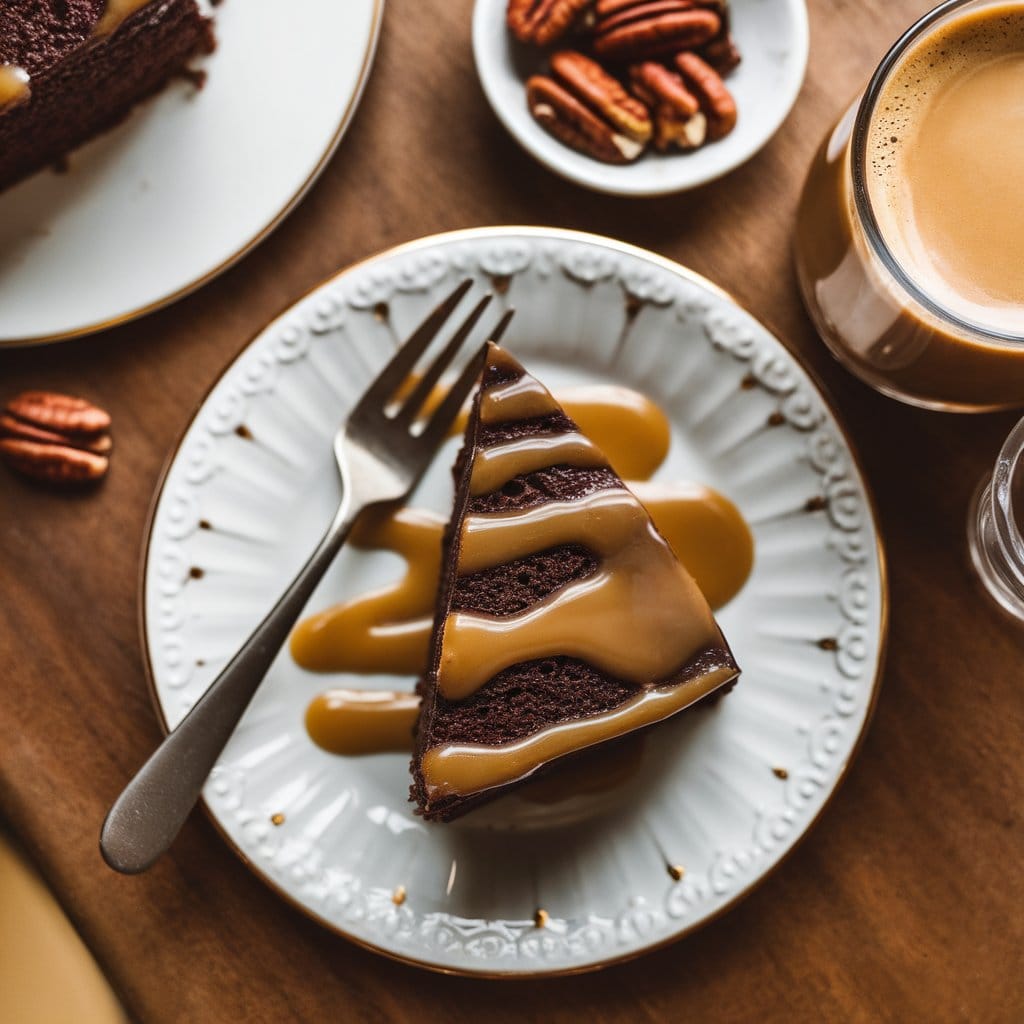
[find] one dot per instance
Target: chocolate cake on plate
(71, 68)
(564, 620)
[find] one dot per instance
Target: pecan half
(609, 8)
(54, 437)
(542, 21)
(655, 84)
(721, 52)
(565, 117)
(12, 427)
(621, 12)
(61, 413)
(53, 463)
(678, 120)
(589, 82)
(658, 35)
(715, 99)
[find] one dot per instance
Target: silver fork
(380, 455)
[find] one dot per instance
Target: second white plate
(190, 181)
(725, 792)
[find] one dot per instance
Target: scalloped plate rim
(877, 550)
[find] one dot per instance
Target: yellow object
(46, 974)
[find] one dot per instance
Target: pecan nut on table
(643, 72)
(55, 438)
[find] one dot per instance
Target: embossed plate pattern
(723, 793)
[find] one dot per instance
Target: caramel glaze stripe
(522, 399)
(495, 467)
(639, 617)
(458, 769)
(115, 14)
(14, 85)
(603, 522)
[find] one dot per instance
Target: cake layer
(83, 65)
(516, 585)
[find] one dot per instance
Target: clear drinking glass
(995, 527)
(878, 322)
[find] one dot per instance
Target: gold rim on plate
(261, 236)
(698, 279)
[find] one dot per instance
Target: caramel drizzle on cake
(15, 85)
(388, 630)
(624, 619)
(115, 14)
(470, 768)
(639, 617)
(495, 466)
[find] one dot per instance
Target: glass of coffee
(910, 230)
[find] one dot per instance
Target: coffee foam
(915, 198)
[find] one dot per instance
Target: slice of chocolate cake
(564, 620)
(71, 68)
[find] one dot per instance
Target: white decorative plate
(725, 792)
(773, 38)
(191, 181)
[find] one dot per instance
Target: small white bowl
(772, 36)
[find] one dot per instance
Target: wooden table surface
(905, 903)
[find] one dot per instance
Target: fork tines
(386, 390)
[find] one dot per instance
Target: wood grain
(906, 903)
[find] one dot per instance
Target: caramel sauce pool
(388, 631)
(363, 721)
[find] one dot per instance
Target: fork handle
(149, 813)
